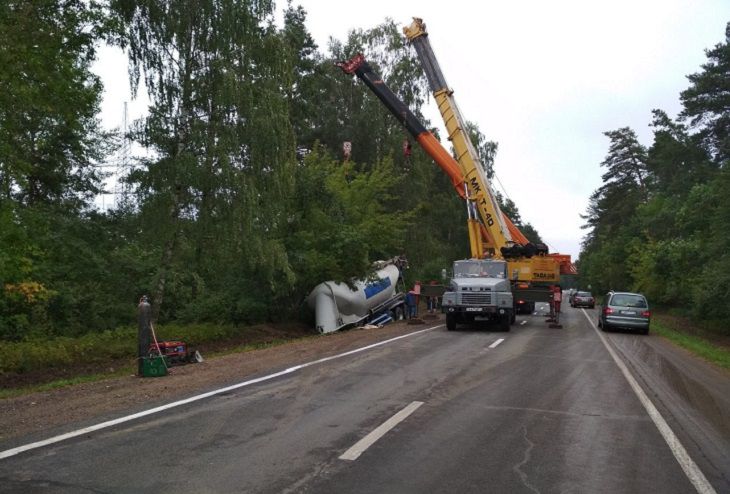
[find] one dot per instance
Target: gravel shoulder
(40, 414)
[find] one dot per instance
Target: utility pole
(144, 318)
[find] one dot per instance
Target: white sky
(544, 79)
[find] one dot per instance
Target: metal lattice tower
(121, 187)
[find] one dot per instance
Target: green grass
(127, 370)
(47, 353)
(694, 344)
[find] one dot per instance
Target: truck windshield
(490, 269)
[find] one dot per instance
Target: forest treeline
(660, 223)
(243, 200)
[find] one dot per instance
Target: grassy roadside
(42, 365)
(130, 369)
(701, 347)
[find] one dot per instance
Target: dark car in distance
(625, 310)
(583, 299)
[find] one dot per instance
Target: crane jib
(390, 100)
(358, 66)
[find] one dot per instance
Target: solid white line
(693, 472)
(359, 447)
(103, 425)
(494, 345)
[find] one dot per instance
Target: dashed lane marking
(496, 343)
(359, 447)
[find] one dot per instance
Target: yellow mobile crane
(526, 262)
(486, 286)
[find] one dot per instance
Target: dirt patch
(83, 403)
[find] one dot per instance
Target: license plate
(473, 309)
(630, 312)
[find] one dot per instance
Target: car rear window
(583, 294)
(628, 301)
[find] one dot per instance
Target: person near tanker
(411, 302)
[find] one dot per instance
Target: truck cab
(479, 290)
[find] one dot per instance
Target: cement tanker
(377, 300)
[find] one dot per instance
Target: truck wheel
(451, 322)
(397, 313)
(512, 317)
(504, 321)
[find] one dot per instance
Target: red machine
(174, 352)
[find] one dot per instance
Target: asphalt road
(544, 410)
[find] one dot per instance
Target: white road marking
(524, 321)
(103, 425)
(494, 345)
(359, 447)
(693, 472)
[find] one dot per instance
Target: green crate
(154, 367)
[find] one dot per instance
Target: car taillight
(520, 302)
(646, 313)
(607, 310)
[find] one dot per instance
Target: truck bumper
(452, 309)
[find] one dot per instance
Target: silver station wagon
(625, 310)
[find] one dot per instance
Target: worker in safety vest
(555, 300)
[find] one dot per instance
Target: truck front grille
(476, 298)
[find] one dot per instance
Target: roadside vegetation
(100, 348)
(700, 341)
(659, 223)
(41, 364)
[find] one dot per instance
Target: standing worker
(557, 299)
(411, 304)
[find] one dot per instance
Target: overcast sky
(543, 79)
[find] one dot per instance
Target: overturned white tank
(336, 305)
